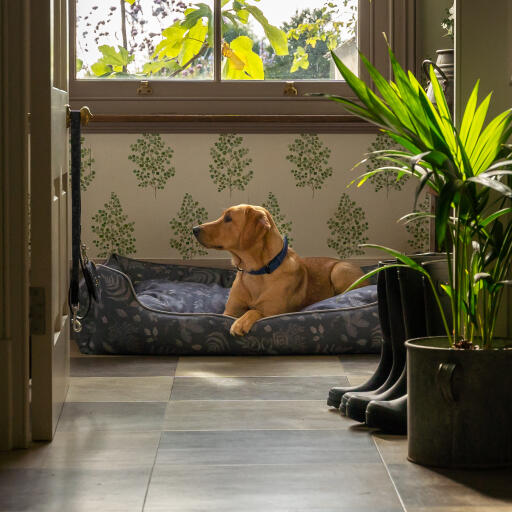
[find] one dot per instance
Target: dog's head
(237, 229)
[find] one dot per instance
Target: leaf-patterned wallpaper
(143, 193)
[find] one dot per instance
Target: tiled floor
(227, 434)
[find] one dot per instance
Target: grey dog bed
(154, 308)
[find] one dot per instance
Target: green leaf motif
(419, 229)
(272, 205)
(189, 215)
(348, 227)
(228, 169)
(113, 233)
(153, 159)
(87, 172)
(383, 180)
(311, 162)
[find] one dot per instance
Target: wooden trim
(14, 279)
(219, 123)
(221, 118)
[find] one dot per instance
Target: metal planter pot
(459, 404)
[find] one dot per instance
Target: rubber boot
(390, 314)
(357, 404)
(390, 416)
(386, 354)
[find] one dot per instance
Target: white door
(50, 214)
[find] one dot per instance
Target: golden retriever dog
(271, 279)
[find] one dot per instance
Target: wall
(484, 51)
(143, 193)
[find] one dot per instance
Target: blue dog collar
(273, 264)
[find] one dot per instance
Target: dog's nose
(196, 230)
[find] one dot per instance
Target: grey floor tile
(123, 366)
(272, 488)
(134, 416)
(266, 447)
(119, 389)
(392, 448)
(463, 508)
(259, 366)
(72, 490)
(359, 364)
(254, 388)
(88, 450)
(252, 415)
(422, 487)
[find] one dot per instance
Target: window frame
(230, 101)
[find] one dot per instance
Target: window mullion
(217, 38)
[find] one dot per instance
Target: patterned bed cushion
(182, 297)
(352, 299)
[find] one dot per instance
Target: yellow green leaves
(192, 43)
(170, 46)
(181, 44)
(112, 61)
(241, 62)
(276, 36)
(300, 60)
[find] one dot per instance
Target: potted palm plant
(459, 385)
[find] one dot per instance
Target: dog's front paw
(240, 327)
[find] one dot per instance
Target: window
(221, 56)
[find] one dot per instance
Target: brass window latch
(144, 89)
(290, 89)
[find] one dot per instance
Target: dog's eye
(227, 218)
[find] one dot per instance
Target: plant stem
(123, 27)
(441, 310)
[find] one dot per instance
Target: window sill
(221, 123)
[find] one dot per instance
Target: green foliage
(87, 172)
(312, 33)
(348, 226)
(310, 158)
(153, 158)
(383, 181)
(113, 232)
(187, 45)
(463, 164)
(228, 169)
(272, 205)
(112, 63)
(419, 227)
(189, 215)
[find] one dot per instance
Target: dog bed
(154, 308)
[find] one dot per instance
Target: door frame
(14, 221)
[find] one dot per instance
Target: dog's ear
(256, 226)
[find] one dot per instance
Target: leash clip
(77, 325)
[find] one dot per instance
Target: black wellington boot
(390, 314)
(389, 416)
(358, 403)
(386, 354)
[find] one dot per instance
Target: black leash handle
(76, 212)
